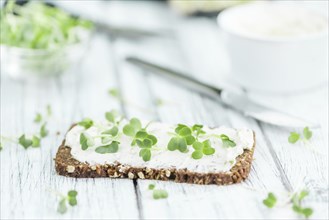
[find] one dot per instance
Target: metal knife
(237, 101)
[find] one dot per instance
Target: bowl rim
(227, 29)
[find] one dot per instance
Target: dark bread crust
(66, 165)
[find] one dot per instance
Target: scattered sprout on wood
(295, 201)
(158, 193)
(294, 137)
(69, 199)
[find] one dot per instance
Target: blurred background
(72, 55)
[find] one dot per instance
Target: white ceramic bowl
(274, 64)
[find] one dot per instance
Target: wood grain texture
(28, 179)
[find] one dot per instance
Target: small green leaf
(189, 139)
(293, 138)
(111, 148)
(38, 118)
(185, 131)
(270, 201)
(113, 131)
(153, 139)
(182, 146)
(141, 134)
(160, 194)
(147, 143)
(226, 141)
(179, 127)
(43, 130)
(135, 122)
(208, 151)
(86, 123)
(72, 193)
(129, 130)
(73, 201)
(173, 143)
(151, 186)
(114, 92)
(307, 133)
(86, 141)
(307, 212)
(197, 154)
(206, 144)
(24, 141)
(303, 194)
(145, 153)
(62, 206)
(197, 145)
(35, 141)
(112, 116)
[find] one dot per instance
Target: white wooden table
(28, 177)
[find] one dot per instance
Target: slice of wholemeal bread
(66, 165)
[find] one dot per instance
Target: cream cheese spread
(221, 161)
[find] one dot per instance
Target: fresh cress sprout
(36, 25)
(227, 142)
(294, 136)
(158, 193)
(296, 202)
(270, 201)
(185, 136)
(70, 198)
(141, 137)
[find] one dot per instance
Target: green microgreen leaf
(226, 141)
(38, 118)
(35, 141)
(39, 26)
(43, 130)
(145, 153)
(62, 208)
(185, 131)
(294, 137)
(173, 144)
(197, 154)
(160, 194)
(113, 131)
(307, 133)
(135, 122)
(189, 139)
(208, 151)
(72, 193)
(197, 145)
(110, 148)
(73, 201)
(270, 201)
(114, 92)
(151, 186)
(113, 117)
(141, 134)
(133, 127)
(147, 143)
(24, 141)
(86, 141)
(86, 123)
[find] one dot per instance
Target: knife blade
(234, 100)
